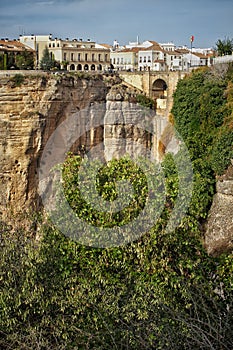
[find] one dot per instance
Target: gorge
(167, 285)
(33, 108)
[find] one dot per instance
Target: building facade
(15, 55)
(151, 58)
(73, 55)
(125, 59)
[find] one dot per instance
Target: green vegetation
(203, 117)
(224, 47)
(18, 79)
(3, 60)
(145, 101)
(160, 292)
(23, 60)
(47, 62)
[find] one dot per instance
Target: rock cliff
(33, 109)
(29, 114)
(219, 228)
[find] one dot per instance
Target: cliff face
(31, 112)
(219, 229)
(29, 115)
(106, 115)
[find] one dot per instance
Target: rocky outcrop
(219, 229)
(29, 114)
(104, 113)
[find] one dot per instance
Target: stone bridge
(159, 86)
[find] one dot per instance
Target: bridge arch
(159, 88)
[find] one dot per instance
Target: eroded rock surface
(105, 114)
(29, 115)
(219, 230)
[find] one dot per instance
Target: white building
(168, 46)
(197, 59)
(75, 54)
(125, 59)
(151, 57)
(37, 43)
(223, 59)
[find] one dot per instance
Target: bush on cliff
(161, 291)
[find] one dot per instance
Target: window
(99, 56)
(122, 60)
(106, 58)
(144, 59)
(114, 60)
(65, 56)
(118, 60)
(93, 57)
(58, 45)
(86, 56)
(72, 57)
(49, 45)
(79, 56)
(140, 59)
(149, 60)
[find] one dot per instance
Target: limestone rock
(107, 123)
(219, 228)
(29, 115)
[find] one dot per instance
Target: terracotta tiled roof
(174, 53)
(107, 46)
(13, 45)
(154, 46)
(133, 49)
(199, 54)
(182, 51)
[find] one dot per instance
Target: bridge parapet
(158, 85)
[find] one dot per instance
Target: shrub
(18, 79)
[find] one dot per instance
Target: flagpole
(191, 53)
(191, 40)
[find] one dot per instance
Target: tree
(47, 62)
(225, 46)
(25, 60)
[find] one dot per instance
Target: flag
(192, 38)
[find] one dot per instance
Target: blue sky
(106, 20)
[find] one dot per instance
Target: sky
(106, 20)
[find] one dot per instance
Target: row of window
(85, 57)
(120, 60)
(144, 59)
(54, 45)
(86, 67)
(63, 45)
